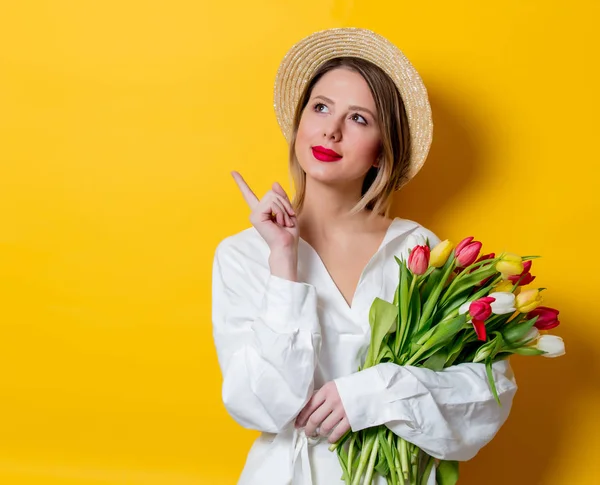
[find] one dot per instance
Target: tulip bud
(504, 302)
(532, 334)
(412, 241)
(481, 309)
(418, 260)
(509, 264)
(525, 276)
(440, 253)
(466, 252)
(553, 345)
(528, 300)
(547, 317)
(503, 286)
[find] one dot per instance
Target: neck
(326, 208)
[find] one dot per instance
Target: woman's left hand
(325, 411)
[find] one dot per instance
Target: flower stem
(372, 460)
(402, 450)
(364, 457)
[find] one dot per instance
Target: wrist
(283, 263)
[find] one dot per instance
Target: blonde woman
(291, 294)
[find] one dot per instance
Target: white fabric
(278, 341)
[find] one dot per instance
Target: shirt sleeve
(450, 414)
(267, 336)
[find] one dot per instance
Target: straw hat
(301, 61)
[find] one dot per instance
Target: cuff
(362, 395)
(378, 395)
(289, 304)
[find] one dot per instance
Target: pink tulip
(466, 252)
(418, 260)
(527, 278)
(547, 317)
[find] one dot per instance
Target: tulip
(531, 336)
(467, 251)
(552, 345)
(525, 275)
(528, 300)
(547, 317)
(509, 264)
(418, 260)
(504, 302)
(479, 311)
(505, 286)
(440, 253)
(412, 241)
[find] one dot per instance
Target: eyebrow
(354, 107)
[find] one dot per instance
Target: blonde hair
(380, 182)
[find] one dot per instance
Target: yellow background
(119, 125)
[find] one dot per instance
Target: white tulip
(504, 303)
(411, 241)
(464, 308)
(530, 336)
(552, 345)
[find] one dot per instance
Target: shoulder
(420, 233)
(245, 248)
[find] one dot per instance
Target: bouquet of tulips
(451, 306)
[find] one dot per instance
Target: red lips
(325, 154)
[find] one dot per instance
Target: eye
(364, 122)
(316, 107)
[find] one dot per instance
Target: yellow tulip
(510, 264)
(528, 300)
(504, 285)
(440, 253)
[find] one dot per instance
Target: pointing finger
(249, 196)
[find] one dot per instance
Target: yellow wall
(119, 124)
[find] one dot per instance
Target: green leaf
(490, 376)
(387, 452)
(527, 351)
(382, 316)
(386, 353)
(447, 473)
(515, 333)
(437, 361)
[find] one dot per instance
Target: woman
(291, 294)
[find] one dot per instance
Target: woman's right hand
(273, 216)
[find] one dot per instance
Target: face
(340, 116)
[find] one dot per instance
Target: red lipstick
(325, 154)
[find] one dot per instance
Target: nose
(332, 130)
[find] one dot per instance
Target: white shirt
(278, 341)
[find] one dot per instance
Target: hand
(273, 216)
(325, 411)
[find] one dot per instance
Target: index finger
(249, 196)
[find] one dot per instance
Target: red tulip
(418, 259)
(527, 278)
(480, 310)
(479, 326)
(547, 317)
(466, 252)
